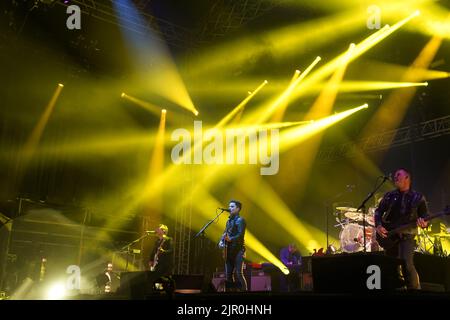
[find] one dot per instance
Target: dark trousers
(234, 269)
(405, 251)
(291, 281)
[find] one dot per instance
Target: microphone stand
(127, 248)
(202, 233)
(363, 207)
(202, 230)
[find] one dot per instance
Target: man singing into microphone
(397, 208)
(234, 246)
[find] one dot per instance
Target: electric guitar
(224, 244)
(393, 234)
(156, 257)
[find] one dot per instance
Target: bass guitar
(393, 234)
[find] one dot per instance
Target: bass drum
(351, 238)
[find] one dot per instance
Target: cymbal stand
(363, 207)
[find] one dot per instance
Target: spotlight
(60, 85)
(266, 82)
(56, 292)
(365, 106)
(123, 95)
(196, 112)
(249, 92)
(426, 84)
(163, 110)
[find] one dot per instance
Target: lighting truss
(389, 139)
(104, 10)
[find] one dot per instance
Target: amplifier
(258, 281)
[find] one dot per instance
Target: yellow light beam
(282, 42)
(266, 111)
(385, 73)
(390, 114)
(239, 107)
(357, 51)
(30, 146)
(321, 108)
(156, 168)
(144, 104)
(294, 136)
(279, 114)
(324, 103)
(265, 197)
(36, 134)
(355, 86)
(154, 109)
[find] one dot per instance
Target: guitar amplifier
(260, 281)
(256, 281)
(218, 281)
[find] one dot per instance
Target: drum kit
(351, 236)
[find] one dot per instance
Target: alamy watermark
(373, 282)
(374, 17)
(248, 145)
(74, 20)
(73, 281)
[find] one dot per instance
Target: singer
(232, 241)
(401, 207)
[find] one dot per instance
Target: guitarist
(397, 208)
(161, 256)
(233, 237)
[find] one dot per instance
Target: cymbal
(353, 215)
(346, 209)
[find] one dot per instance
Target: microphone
(388, 177)
(223, 209)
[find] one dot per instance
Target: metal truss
(104, 10)
(183, 225)
(227, 15)
(394, 138)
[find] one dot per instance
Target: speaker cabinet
(350, 273)
(256, 281)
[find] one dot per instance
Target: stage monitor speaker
(140, 284)
(189, 283)
(349, 273)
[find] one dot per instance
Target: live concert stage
(213, 150)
